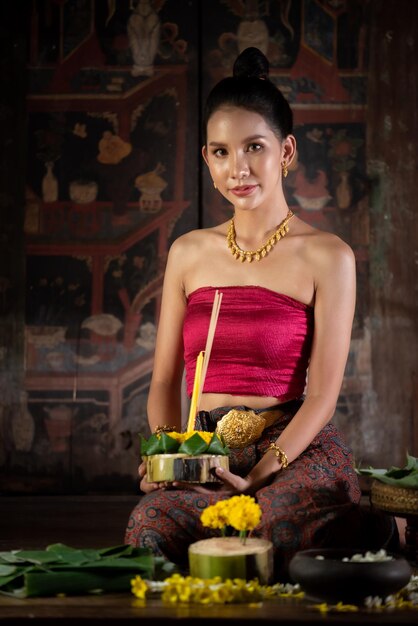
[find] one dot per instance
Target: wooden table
(125, 609)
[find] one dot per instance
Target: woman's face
(244, 157)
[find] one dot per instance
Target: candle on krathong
(195, 393)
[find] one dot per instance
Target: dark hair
(250, 88)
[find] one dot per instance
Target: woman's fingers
(227, 477)
(144, 485)
(229, 483)
(235, 482)
(147, 487)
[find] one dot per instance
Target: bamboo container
(229, 557)
(185, 468)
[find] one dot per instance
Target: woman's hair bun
(251, 63)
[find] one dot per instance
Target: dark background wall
(101, 170)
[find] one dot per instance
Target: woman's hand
(235, 483)
(231, 484)
(144, 485)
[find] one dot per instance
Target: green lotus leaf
(38, 557)
(410, 481)
(412, 462)
(406, 476)
(62, 569)
(60, 548)
(6, 570)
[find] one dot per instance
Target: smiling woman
(280, 347)
(244, 156)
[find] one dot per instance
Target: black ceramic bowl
(332, 580)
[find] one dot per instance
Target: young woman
(281, 342)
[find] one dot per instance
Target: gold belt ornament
(239, 429)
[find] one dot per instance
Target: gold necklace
(260, 253)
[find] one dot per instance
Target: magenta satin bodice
(262, 342)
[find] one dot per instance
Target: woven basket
(397, 500)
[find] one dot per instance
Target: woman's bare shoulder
(192, 242)
(322, 246)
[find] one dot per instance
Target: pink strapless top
(262, 342)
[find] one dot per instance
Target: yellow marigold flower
(345, 607)
(252, 592)
(139, 587)
(195, 590)
(169, 595)
(215, 516)
(206, 436)
(175, 579)
(298, 594)
(181, 437)
(177, 436)
(254, 585)
(244, 513)
(243, 520)
(211, 519)
(228, 584)
(405, 604)
(203, 595)
(223, 506)
(268, 591)
(184, 591)
(241, 512)
(223, 594)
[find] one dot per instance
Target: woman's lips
(244, 190)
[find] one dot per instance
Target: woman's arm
(164, 398)
(335, 296)
(335, 291)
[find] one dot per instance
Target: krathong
(191, 457)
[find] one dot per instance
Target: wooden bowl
(333, 580)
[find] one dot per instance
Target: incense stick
(209, 341)
(202, 363)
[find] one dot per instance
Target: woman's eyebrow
(246, 140)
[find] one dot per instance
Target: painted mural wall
(111, 142)
(113, 174)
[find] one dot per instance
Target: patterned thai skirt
(311, 503)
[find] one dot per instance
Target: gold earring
(285, 171)
(214, 184)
